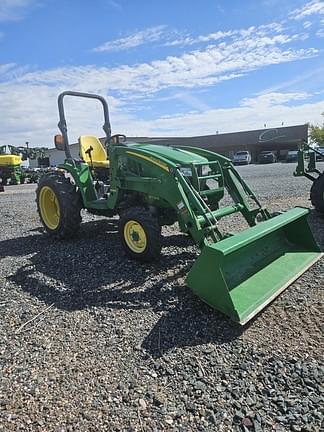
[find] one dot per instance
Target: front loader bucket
(240, 275)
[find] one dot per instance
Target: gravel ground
(122, 346)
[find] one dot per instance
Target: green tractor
(10, 169)
(308, 155)
(150, 186)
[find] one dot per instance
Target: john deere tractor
(149, 186)
(10, 169)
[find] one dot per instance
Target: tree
(317, 134)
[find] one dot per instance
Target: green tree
(316, 133)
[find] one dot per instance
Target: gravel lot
(122, 346)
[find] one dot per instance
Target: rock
(142, 404)
(238, 417)
(159, 398)
(247, 422)
(257, 426)
(199, 385)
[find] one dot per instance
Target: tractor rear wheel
(140, 234)
(59, 205)
(317, 194)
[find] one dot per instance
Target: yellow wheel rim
(135, 236)
(49, 207)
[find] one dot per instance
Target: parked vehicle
(320, 153)
(267, 157)
(292, 156)
(242, 158)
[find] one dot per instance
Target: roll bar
(62, 123)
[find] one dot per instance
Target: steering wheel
(117, 139)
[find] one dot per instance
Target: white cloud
(244, 117)
(197, 68)
(13, 9)
(36, 121)
(149, 35)
(175, 38)
(189, 40)
(28, 109)
(5, 68)
(273, 99)
(216, 36)
(307, 24)
(29, 113)
(315, 7)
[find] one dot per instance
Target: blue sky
(166, 67)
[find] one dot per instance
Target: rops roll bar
(62, 123)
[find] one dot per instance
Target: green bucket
(240, 275)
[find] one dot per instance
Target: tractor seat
(98, 154)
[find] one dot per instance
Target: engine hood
(173, 154)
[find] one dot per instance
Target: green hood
(173, 154)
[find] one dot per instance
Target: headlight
(186, 171)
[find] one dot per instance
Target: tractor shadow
(193, 325)
(92, 271)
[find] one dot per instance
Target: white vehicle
(242, 158)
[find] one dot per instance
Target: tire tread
(70, 205)
(317, 194)
(152, 230)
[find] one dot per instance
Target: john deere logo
(270, 135)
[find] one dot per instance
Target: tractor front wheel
(317, 194)
(59, 205)
(140, 234)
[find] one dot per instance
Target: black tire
(69, 204)
(149, 250)
(317, 194)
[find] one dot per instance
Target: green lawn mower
(149, 186)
